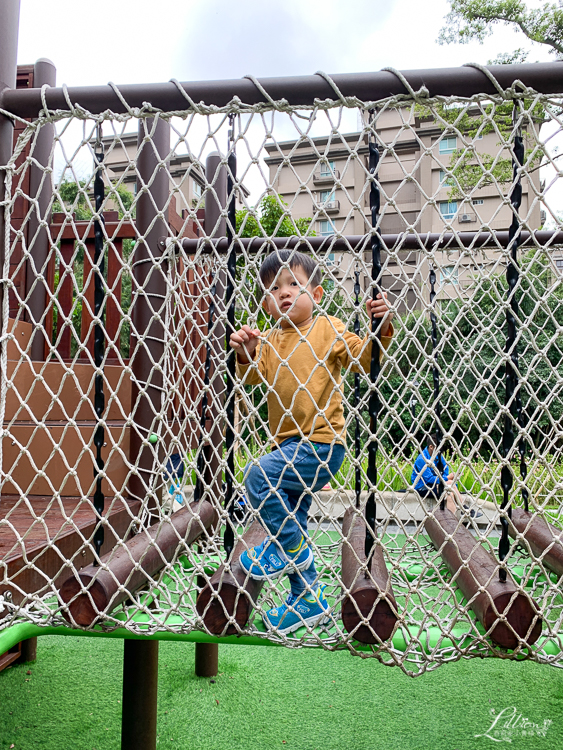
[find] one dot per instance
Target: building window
(198, 191)
(448, 275)
(477, 202)
(326, 196)
(326, 228)
(448, 145)
(327, 169)
(445, 178)
(448, 209)
(559, 264)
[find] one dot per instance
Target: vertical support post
(148, 304)
(512, 397)
(99, 339)
(9, 24)
(39, 241)
(29, 650)
(207, 654)
(215, 226)
(436, 381)
(229, 537)
(357, 426)
(140, 692)
(375, 367)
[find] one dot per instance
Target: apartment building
(416, 181)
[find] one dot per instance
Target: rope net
(134, 448)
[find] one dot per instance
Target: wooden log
(152, 548)
(369, 598)
(474, 568)
(545, 540)
(231, 592)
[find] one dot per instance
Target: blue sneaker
(269, 561)
(308, 609)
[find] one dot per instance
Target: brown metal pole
(475, 571)
(207, 654)
(29, 650)
(545, 540)
(546, 78)
(215, 226)
(370, 597)
(140, 692)
(9, 23)
(38, 243)
(148, 303)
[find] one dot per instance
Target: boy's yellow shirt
(303, 369)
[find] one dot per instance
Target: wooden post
(371, 597)
(231, 592)
(140, 692)
(29, 649)
(475, 572)
(545, 540)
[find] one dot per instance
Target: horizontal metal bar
(546, 78)
(361, 243)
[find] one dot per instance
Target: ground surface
(268, 698)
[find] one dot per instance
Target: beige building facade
(327, 179)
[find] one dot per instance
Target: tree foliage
(273, 220)
(470, 20)
(471, 360)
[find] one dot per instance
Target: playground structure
(114, 361)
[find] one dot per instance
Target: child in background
(300, 360)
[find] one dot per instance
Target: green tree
(471, 360)
(273, 220)
(470, 20)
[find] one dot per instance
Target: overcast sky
(146, 41)
(149, 41)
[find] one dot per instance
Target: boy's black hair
(275, 261)
(430, 441)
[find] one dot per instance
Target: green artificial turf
(267, 698)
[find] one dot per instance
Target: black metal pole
(512, 397)
(357, 427)
(230, 300)
(99, 338)
(140, 692)
(374, 403)
(437, 405)
(39, 241)
(9, 23)
(362, 242)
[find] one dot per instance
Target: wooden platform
(38, 534)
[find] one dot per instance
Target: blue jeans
(279, 488)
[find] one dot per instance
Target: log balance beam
(475, 571)
(95, 590)
(370, 597)
(545, 540)
(231, 593)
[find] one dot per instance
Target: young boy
(300, 360)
